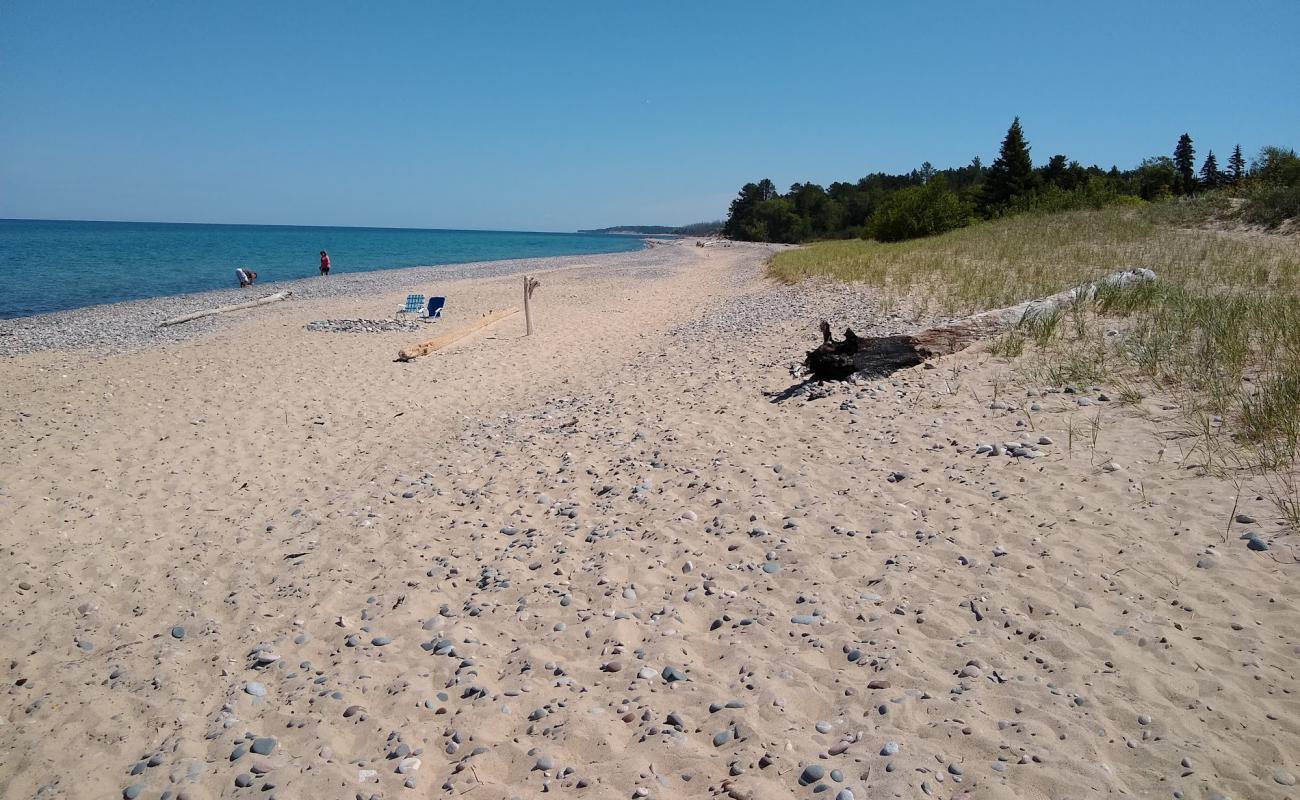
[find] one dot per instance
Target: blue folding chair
(435, 307)
(414, 304)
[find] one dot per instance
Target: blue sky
(559, 115)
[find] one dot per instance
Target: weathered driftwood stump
(837, 360)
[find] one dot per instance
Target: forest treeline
(927, 201)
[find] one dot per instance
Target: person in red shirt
(324, 263)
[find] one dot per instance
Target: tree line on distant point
(928, 201)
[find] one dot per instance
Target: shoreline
(95, 327)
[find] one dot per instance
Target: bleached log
(439, 342)
(225, 309)
(884, 354)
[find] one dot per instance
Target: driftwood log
(226, 309)
(837, 360)
(439, 342)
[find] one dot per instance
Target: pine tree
(1236, 166)
(1211, 178)
(1185, 163)
(1012, 174)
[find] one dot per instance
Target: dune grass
(1220, 328)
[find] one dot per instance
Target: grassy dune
(1220, 330)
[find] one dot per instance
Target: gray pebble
(771, 567)
(673, 674)
(264, 746)
(178, 632)
(811, 774)
(1283, 777)
(845, 794)
(890, 749)
(823, 727)
(803, 619)
(255, 689)
(721, 737)
(133, 791)
(544, 763)
(380, 641)
(243, 780)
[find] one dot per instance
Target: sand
(609, 560)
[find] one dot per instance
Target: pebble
(811, 774)
(1245, 519)
(803, 619)
(178, 632)
(264, 746)
(380, 641)
(544, 763)
(822, 726)
(673, 674)
(243, 780)
(408, 765)
(133, 791)
(1283, 777)
(845, 794)
(771, 567)
(255, 689)
(721, 737)
(890, 749)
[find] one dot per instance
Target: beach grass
(1219, 329)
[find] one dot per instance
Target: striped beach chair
(414, 304)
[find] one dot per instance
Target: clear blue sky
(558, 115)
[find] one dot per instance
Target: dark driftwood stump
(877, 356)
(880, 355)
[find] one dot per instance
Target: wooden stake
(224, 309)
(530, 284)
(439, 342)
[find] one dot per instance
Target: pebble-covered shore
(620, 559)
(130, 326)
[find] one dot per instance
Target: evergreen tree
(1012, 174)
(1185, 163)
(1236, 166)
(1211, 178)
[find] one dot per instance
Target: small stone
(178, 632)
(890, 749)
(721, 737)
(264, 746)
(822, 726)
(771, 567)
(255, 689)
(1257, 544)
(811, 774)
(408, 765)
(969, 671)
(613, 666)
(955, 769)
(1144, 719)
(133, 791)
(380, 641)
(1281, 776)
(803, 619)
(352, 711)
(243, 780)
(544, 764)
(845, 794)
(1245, 519)
(879, 684)
(673, 674)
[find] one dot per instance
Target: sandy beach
(623, 557)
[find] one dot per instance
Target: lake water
(56, 265)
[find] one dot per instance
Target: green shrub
(918, 211)
(1270, 206)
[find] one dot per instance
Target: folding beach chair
(435, 307)
(414, 304)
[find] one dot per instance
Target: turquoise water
(50, 266)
